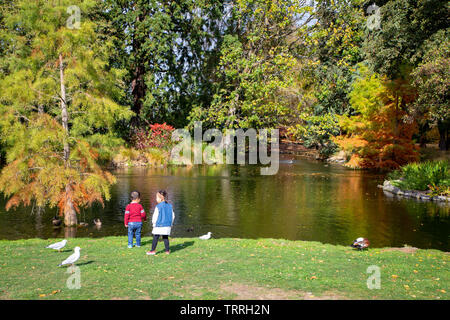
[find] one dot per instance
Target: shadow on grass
(145, 242)
(62, 251)
(149, 242)
(67, 266)
(177, 247)
(180, 246)
(84, 263)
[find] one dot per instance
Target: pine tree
(58, 106)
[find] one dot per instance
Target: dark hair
(164, 194)
(135, 195)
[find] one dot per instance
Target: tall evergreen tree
(169, 48)
(58, 105)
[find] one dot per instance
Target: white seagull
(206, 236)
(72, 259)
(58, 245)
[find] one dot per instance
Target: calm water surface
(306, 200)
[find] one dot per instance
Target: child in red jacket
(134, 215)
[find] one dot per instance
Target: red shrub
(157, 136)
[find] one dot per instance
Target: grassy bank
(219, 269)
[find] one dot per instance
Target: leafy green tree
(395, 48)
(398, 47)
(58, 106)
(335, 42)
(255, 67)
(317, 131)
(432, 80)
(329, 52)
(169, 49)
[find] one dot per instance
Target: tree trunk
(138, 91)
(138, 86)
(444, 136)
(423, 128)
(64, 114)
(70, 215)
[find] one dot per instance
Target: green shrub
(316, 131)
(423, 176)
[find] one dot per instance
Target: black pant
(155, 241)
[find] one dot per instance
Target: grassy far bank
(219, 269)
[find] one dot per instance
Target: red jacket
(134, 212)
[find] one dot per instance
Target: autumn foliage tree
(379, 135)
(37, 171)
(58, 106)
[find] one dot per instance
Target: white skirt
(165, 231)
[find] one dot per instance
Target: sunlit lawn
(219, 269)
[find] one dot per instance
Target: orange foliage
(40, 174)
(350, 143)
(386, 141)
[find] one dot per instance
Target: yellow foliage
(351, 143)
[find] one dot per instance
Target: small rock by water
(422, 195)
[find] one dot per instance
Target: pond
(306, 200)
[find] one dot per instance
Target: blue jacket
(164, 214)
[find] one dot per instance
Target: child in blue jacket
(162, 221)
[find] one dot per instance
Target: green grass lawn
(219, 269)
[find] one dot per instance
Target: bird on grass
(72, 258)
(58, 245)
(360, 243)
(206, 236)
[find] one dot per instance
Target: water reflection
(306, 200)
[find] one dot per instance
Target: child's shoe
(167, 252)
(138, 246)
(129, 247)
(151, 253)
